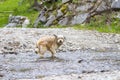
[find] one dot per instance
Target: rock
(83, 7)
(41, 18)
(64, 21)
(9, 25)
(1, 75)
(50, 20)
(102, 7)
(93, 48)
(88, 71)
(79, 10)
(115, 4)
(71, 7)
(59, 13)
(25, 23)
(78, 19)
(8, 48)
(15, 21)
(64, 1)
(80, 60)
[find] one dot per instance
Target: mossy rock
(55, 22)
(69, 13)
(46, 15)
(64, 8)
(54, 12)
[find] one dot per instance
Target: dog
(49, 43)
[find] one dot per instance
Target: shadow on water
(29, 65)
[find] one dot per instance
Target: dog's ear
(55, 36)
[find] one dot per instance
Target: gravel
(96, 55)
(23, 40)
(93, 76)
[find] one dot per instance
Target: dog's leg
(38, 51)
(41, 55)
(43, 49)
(53, 52)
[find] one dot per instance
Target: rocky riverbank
(23, 40)
(85, 55)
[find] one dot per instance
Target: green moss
(77, 1)
(55, 22)
(68, 13)
(64, 8)
(54, 12)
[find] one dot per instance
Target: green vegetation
(13, 7)
(103, 28)
(101, 24)
(98, 23)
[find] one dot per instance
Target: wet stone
(1, 75)
(80, 61)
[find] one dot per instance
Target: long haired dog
(50, 43)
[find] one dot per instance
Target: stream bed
(30, 66)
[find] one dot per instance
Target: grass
(100, 24)
(15, 9)
(103, 28)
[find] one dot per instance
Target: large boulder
(15, 21)
(64, 1)
(50, 20)
(103, 6)
(41, 18)
(25, 23)
(115, 4)
(64, 21)
(84, 7)
(59, 13)
(11, 25)
(79, 19)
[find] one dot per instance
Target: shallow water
(29, 65)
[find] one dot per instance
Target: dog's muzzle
(60, 41)
(36, 50)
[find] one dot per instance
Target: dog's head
(60, 39)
